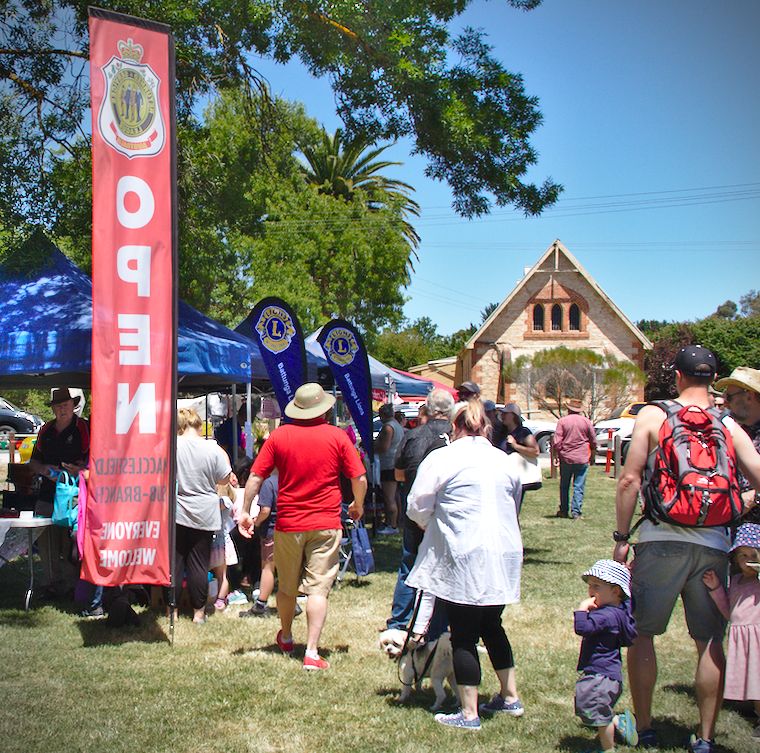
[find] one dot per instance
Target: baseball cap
(695, 361)
(512, 408)
(489, 405)
(471, 387)
(611, 572)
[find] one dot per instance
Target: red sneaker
(285, 646)
(315, 664)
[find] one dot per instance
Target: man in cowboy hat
(741, 393)
(575, 444)
(671, 560)
(309, 455)
(62, 444)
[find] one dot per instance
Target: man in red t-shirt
(310, 455)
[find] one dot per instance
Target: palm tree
(341, 168)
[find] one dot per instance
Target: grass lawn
(71, 685)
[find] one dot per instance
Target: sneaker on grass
(257, 610)
(647, 739)
(625, 726)
(457, 720)
(698, 745)
(497, 705)
(314, 665)
(285, 646)
(96, 613)
(237, 597)
(387, 531)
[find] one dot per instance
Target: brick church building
(556, 303)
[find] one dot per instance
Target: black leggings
(193, 548)
(468, 624)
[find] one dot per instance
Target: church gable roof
(556, 257)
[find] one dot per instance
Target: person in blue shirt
(605, 623)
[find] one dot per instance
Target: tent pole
(234, 427)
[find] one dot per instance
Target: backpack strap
(669, 407)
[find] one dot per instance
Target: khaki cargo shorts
(306, 561)
(663, 570)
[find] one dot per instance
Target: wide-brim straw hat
(574, 406)
(742, 377)
(611, 572)
(310, 401)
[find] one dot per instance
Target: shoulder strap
(670, 407)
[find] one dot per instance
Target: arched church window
(556, 318)
(574, 318)
(538, 318)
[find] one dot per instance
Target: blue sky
(651, 112)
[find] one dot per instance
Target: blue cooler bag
(364, 560)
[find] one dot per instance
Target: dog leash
(405, 647)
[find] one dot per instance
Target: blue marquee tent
(382, 376)
(46, 329)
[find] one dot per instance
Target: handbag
(65, 503)
(364, 560)
(527, 469)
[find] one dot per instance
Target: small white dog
(416, 664)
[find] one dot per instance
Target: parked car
(410, 410)
(543, 431)
(15, 419)
(621, 422)
(26, 447)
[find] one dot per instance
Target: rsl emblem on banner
(341, 346)
(130, 119)
(275, 328)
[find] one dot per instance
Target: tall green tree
(341, 168)
(556, 375)
(251, 226)
(396, 69)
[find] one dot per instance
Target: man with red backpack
(683, 457)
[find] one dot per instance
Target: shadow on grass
(19, 618)
(681, 688)
(530, 558)
(99, 633)
(419, 699)
(299, 649)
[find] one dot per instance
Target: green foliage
(555, 375)
(395, 67)
(727, 310)
(750, 303)
(650, 327)
(735, 343)
(340, 168)
(250, 226)
(417, 342)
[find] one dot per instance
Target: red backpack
(690, 478)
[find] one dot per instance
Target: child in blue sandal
(605, 623)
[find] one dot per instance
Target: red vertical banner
(130, 509)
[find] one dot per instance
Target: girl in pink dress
(741, 605)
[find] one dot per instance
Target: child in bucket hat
(741, 605)
(605, 623)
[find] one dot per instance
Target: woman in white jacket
(471, 556)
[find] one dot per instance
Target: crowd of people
(451, 487)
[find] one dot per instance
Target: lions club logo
(275, 328)
(130, 118)
(341, 346)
